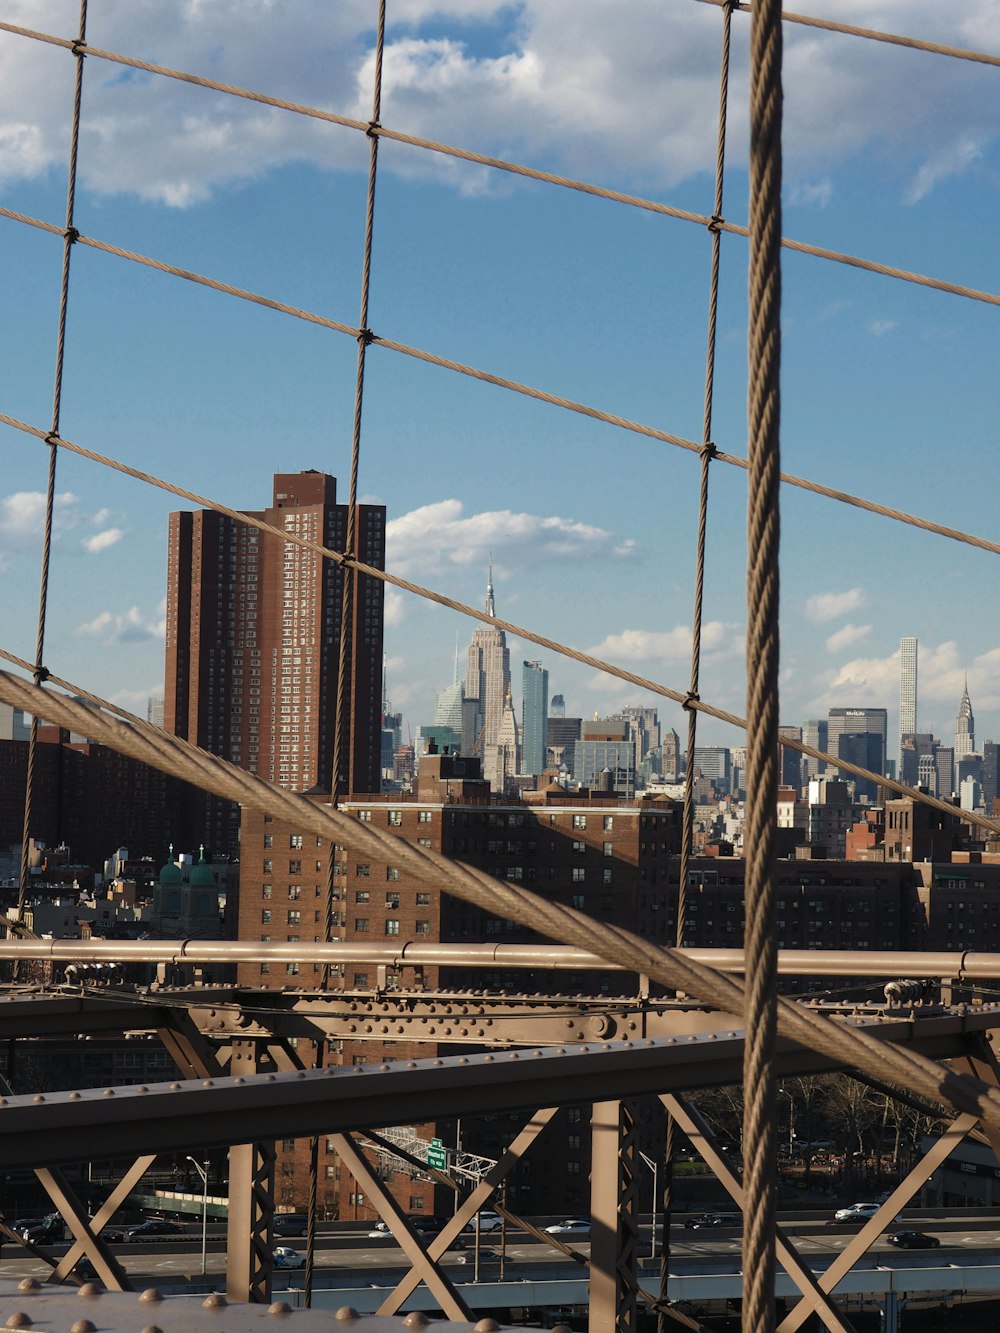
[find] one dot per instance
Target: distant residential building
(832, 813)
(605, 745)
(253, 644)
(557, 708)
(534, 716)
(15, 725)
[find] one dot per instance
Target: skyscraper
(253, 640)
(907, 692)
(859, 722)
(815, 732)
(534, 716)
(965, 726)
(487, 674)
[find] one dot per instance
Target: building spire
(490, 609)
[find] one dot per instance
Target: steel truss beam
(55, 1128)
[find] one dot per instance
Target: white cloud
(560, 82)
(812, 194)
(878, 328)
(829, 605)
(845, 637)
(440, 535)
(395, 607)
(22, 517)
(129, 626)
(102, 540)
(639, 645)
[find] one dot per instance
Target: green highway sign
(436, 1158)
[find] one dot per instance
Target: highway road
(972, 1239)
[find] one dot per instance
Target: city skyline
(488, 271)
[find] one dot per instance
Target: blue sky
(889, 391)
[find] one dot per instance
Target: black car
(155, 1226)
(290, 1224)
(913, 1240)
(42, 1230)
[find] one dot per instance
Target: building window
(265, 890)
(607, 876)
(361, 925)
(609, 822)
(295, 840)
(294, 917)
(423, 900)
(392, 872)
(579, 846)
(361, 981)
(579, 821)
(292, 969)
(422, 928)
(267, 867)
(295, 891)
(392, 901)
(579, 901)
(395, 818)
(361, 895)
(268, 841)
(609, 849)
(295, 867)
(265, 915)
(365, 816)
(424, 816)
(392, 926)
(579, 874)
(424, 842)
(362, 870)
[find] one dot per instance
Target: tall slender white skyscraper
(907, 692)
(487, 674)
(965, 727)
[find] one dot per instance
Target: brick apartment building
(614, 859)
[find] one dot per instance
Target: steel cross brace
(844, 1262)
(421, 1263)
(86, 1235)
(702, 1139)
(614, 1228)
(472, 1204)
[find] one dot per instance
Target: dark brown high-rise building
(253, 644)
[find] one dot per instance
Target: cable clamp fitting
(40, 674)
(78, 47)
(373, 129)
(709, 450)
(366, 336)
(690, 700)
(72, 235)
(715, 223)
(53, 440)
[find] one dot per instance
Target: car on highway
(41, 1230)
(485, 1221)
(569, 1226)
(290, 1224)
(152, 1228)
(914, 1240)
(420, 1223)
(704, 1220)
(286, 1257)
(856, 1212)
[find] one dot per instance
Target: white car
(286, 1257)
(570, 1226)
(857, 1212)
(486, 1221)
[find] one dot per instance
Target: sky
(889, 391)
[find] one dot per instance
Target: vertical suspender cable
(344, 726)
(763, 421)
(69, 236)
(707, 452)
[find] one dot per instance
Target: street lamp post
(203, 1172)
(654, 1167)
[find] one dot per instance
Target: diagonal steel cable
(52, 439)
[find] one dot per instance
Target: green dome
(171, 872)
(202, 876)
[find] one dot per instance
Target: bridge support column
(614, 1196)
(251, 1205)
(889, 1312)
